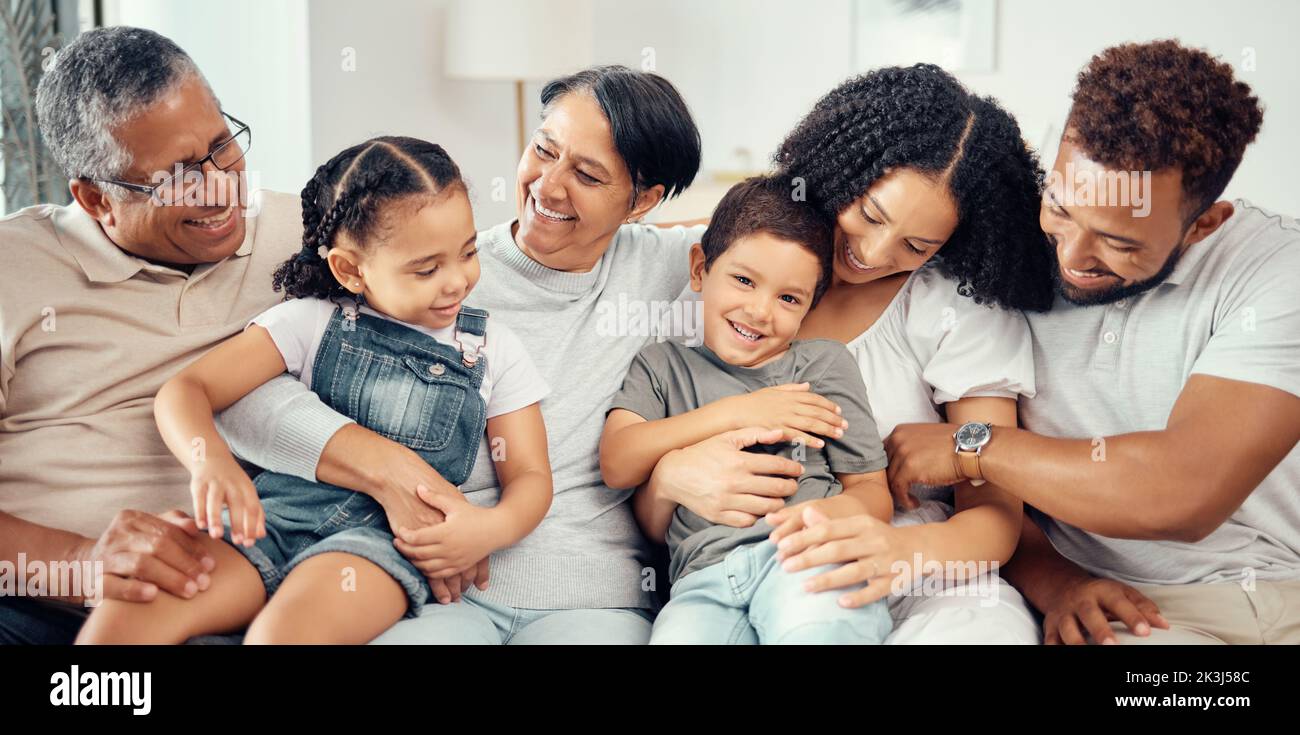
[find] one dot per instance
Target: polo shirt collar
(99, 257)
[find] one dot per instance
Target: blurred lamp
(517, 41)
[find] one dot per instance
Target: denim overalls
(401, 384)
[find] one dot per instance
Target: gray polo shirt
(1230, 309)
(668, 379)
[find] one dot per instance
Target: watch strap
(970, 465)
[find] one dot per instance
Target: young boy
(763, 264)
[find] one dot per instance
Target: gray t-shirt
(669, 379)
(1230, 310)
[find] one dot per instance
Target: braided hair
(349, 195)
(921, 118)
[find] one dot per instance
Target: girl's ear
(646, 201)
(697, 267)
(346, 267)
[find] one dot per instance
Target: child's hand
(801, 414)
(221, 482)
(467, 536)
(795, 518)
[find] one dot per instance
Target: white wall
(398, 88)
(751, 68)
(254, 55)
(748, 68)
(1043, 45)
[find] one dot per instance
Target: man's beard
(1096, 297)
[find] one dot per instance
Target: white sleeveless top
(930, 346)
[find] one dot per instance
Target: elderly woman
(613, 144)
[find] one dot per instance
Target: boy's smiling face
(755, 295)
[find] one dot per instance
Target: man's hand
(1088, 604)
(718, 481)
(143, 553)
(921, 454)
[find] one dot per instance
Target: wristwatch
(971, 439)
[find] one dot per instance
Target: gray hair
(100, 81)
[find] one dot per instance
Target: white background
(748, 68)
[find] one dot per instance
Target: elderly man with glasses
(163, 254)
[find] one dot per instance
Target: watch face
(972, 436)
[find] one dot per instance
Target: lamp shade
(499, 40)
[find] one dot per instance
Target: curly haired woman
(935, 198)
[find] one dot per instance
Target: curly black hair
(1161, 105)
(349, 194)
(923, 119)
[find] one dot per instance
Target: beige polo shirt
(88, 334)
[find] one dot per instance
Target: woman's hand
(218, 482)
(800, 414)
(723, 484)
(405, 509)
(869, 551)
(1089, 604)
(790, 520)
(461, 542)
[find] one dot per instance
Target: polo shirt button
(1109, 338)
(437, 368)
(1122, 303)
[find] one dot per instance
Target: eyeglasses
(178, 186)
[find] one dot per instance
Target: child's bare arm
(630, 446)
(184, 408)
(524, 471)
(871, 491)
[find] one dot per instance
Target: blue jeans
(25, 621)
(475, 622)
(748, 599)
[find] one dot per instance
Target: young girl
(378, 329)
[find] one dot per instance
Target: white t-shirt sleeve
(967, 349)
(296, 327)
(515, 380)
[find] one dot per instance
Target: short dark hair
(350, 193)
(765, 204)
(652, 128)
(921, 118)
(1161, 105)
